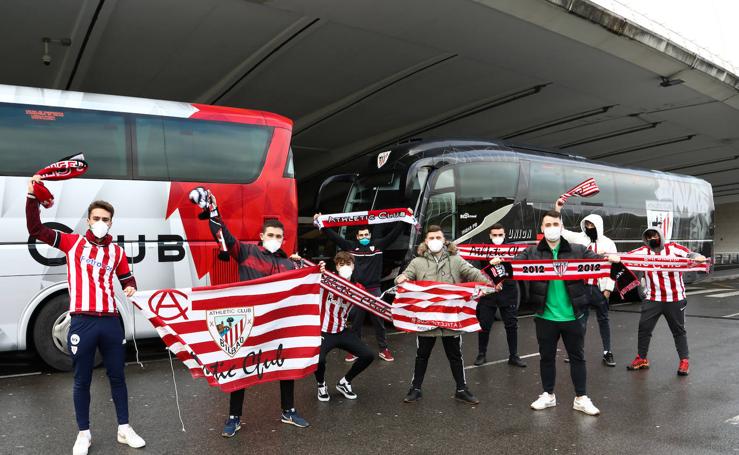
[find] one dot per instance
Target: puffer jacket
(575, 288)
(447, 267)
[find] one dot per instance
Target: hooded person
(438, 260)
(599, 289)
(664, 296)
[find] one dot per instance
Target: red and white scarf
(644, 263)
(564, 269)
(66, 168)
(364, 218)
(585, 189)
(486, 251)
(421, 306)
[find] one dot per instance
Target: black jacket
(507, 296)
(576, 289)
(367, 259)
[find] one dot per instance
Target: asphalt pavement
(652, 411)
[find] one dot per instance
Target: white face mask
(272, 245)
(497, 240)
(99, 229)
(552, 233)
(435, 245)
(345, 271)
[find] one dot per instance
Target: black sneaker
(516, 361)
(466, 396)
(413, 395)
(608, 359)
(481, 359)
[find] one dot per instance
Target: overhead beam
(93, 35)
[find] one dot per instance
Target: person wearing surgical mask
(257, 261)
(505, 301)
(592, 237)
(559, 306)
(368, 255)
(438, 261)
(335, 334)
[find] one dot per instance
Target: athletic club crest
(230, 327)
(382, 159)
(560, 268)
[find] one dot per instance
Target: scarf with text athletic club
(487, 251)
(420, 306)
(241, 334)
(365, 217)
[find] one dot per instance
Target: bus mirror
(346, 178)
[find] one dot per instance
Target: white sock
(86, 433)
(605, 352)
(343, 381)
(123, 427)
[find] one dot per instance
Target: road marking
(730, 315)
(733, 420)
(20, 375)
(724, 294)
(495, 362)
(703, 291)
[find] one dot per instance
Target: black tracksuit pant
(287, 398)
(599, 302)
(357, 315)
(573, 336)
(453, 350)
(349, 342)
(674, 313)
(486, 316)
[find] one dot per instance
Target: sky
(708, 27)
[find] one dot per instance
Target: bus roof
(408, 153)
(132, 105)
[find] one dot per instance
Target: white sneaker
(81, 445)
(323, 392)
(545, 400)
(126, 435)
(583, 404)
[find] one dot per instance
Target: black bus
(466, 186)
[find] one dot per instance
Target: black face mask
(592, 233)
(654, 243)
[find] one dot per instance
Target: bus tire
(50, 334)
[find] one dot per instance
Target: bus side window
(546, 183)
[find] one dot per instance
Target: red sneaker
(684, 368)
(350, 358)
(386, 355)
(638, 364)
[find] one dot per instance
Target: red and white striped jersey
(664, 286)
(90, 271)
(334, 312)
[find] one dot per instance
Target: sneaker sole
(328, 398)
(348, 397)
(580, 409)
(471, 403)
(611, 365)
(630, 368)
(226, 435)
(290, 422)
(387, 359)
(350, 361)
(681, 373)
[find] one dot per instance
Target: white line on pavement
(733, 420)
(730, 315)
(495, 362)
(20, 375)
(724, 294)
(703, 291)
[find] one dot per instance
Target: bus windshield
(377, 191)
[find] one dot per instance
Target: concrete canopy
(358, 76)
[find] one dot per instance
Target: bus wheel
(50, 334)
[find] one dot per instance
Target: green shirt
(558, 307)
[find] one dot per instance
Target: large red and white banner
(487, 251)
(584, 189)
(420, 306)
(644, 263)
(241, 334)
(365, 217)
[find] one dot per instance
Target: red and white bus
(144, 157)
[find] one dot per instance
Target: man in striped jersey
(92, 260)
(334, 334)
(665, 296)
(257, 261)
